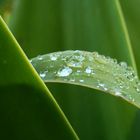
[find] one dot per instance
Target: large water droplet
(76, 60)
(66, 71)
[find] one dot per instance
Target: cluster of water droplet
(89, 69)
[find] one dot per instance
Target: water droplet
(115, 61)
(90, 58)
(117, 92)
(53, 57)
(76, 60)
(72, 80)
(88, 70)
(30, 61)
(81, 81)
(66, 71)
(95, 54)
(39, 57)
(102, 86)
(42, 75)
(137, 89)
(78, 71)
(129, 97)
(75, 64)
(123, 64)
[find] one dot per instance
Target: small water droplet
(75, 64)
(117, 92)
(42, 75)
(30, 61)
(39, 57)
(129, 97)
(137, 89)
(102, 86)
(72, 80)
(53, 57)
(76, 60)
(66, 71)
(123, 64)
(78, 71)
(90, 58)
(95, 54)
(88, 70)
(81, 81)
(115, 61)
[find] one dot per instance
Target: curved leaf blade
(27, 108)
(90, 70)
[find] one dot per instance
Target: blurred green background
(43, 26)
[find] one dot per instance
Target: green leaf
(93, 25)
(90, 70)
(27, 108)
(131, 12)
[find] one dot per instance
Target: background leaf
(94, 25)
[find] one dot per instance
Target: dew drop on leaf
(42, 75)
(81, 80)
(39, 57)
(53, 57)
(88, 70)
(66, 71)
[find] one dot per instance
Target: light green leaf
(90, 70)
